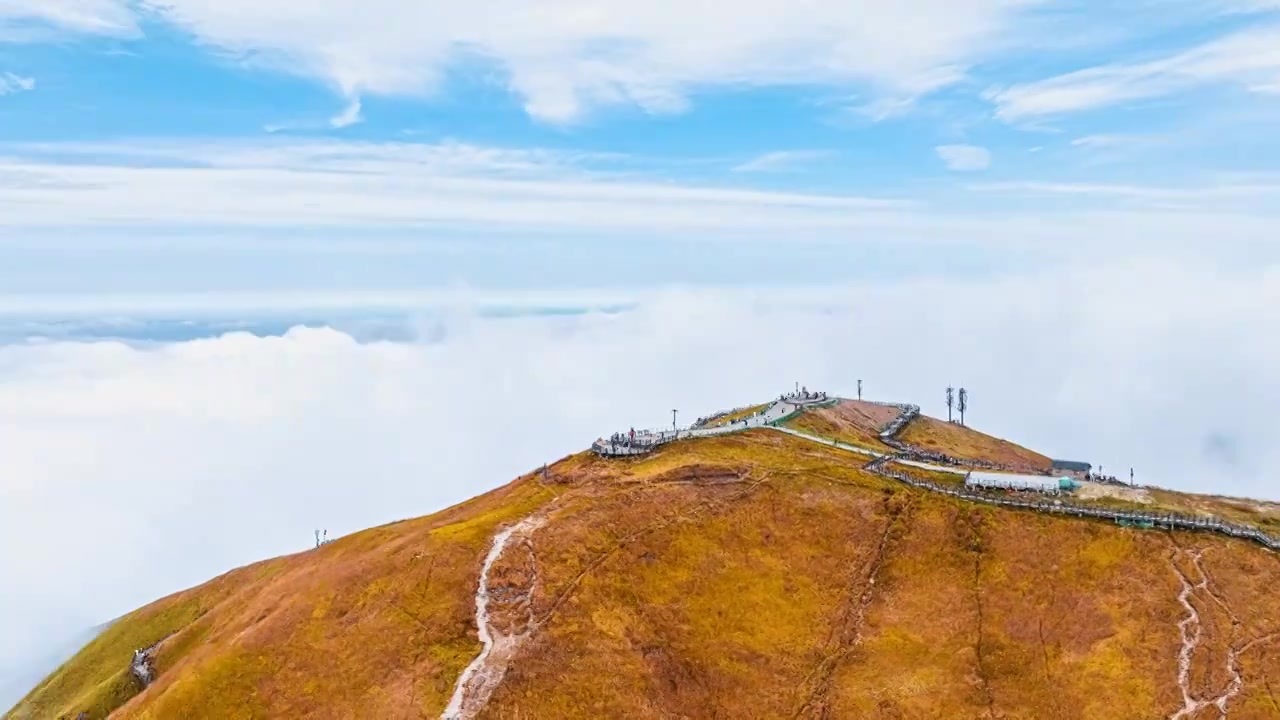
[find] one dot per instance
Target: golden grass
(97, 679)
(305, 635)
(752, 575)
(849, 421)
(968, 444)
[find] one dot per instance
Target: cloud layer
(129, 472)
(1249, 59)
(426, 191)
(564, 58)
(385, 184)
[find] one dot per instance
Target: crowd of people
(632, 439)
(626, 439)
(803, 395)
(744, 420)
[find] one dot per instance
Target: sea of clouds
(133, 468)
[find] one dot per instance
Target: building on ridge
(1073, 469)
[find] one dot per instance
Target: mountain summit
(804, 557)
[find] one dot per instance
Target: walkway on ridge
(879, 464)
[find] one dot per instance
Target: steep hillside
(754, 575)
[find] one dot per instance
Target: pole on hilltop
(859, 390)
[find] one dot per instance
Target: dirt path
(482, 676)
(1236, 684)
(1191, 632)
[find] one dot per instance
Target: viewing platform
(639, 442)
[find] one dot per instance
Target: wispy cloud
(1249, 59)
(48, 19)
(566, 58)
(964, 158)
(349, 116)
(11, 83)
(431, 192)
(388, 185)
(1217, 196)
(1114, 148)
(781, 160)
(1117, 141)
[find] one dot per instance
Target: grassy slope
(969, 444)
(727, 577)
(859, 423)
(850, 421)
(378, 620)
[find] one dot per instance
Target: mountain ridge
(750, 574)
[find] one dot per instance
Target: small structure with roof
(1074, 469)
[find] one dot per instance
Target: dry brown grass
(755, 575)
(966, 443)
(849, 421)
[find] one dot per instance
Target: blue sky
(1070, 208)
(238, 146)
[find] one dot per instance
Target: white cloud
(45, 19)
(566, 57)
(964, 158)
(1217, 195)
(1112, 141)
(10, 83)
(250, 195)
(1249, 59)
(334, 184)
(781, 160)
(192, 458)
(1115, 148)
(349, 116)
